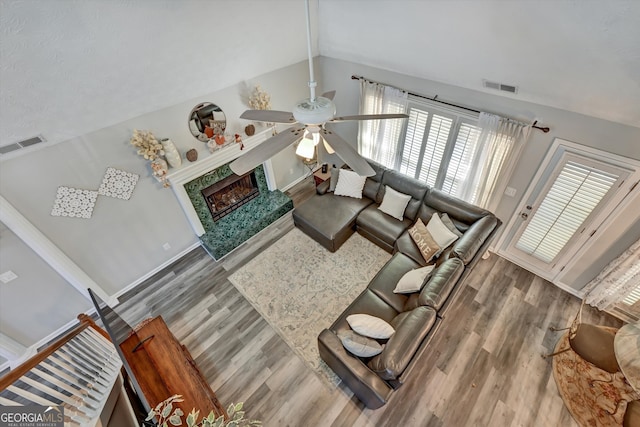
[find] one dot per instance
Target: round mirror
(207, 120)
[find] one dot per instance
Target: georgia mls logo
(32, 416)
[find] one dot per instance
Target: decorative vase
(171, 153)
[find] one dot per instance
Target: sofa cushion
(394, 203)
(329, 230)
(381, 225)
(412, 327)
(472, 240)
(439, 286)
(372, 184)
(387, 278)
(462, 213)
(413, 281)
(424, 240)
(359, 345)
(440, 233)
(368, 303)
(370, 326)
(449, 224)
(349, 184)
(405, 185)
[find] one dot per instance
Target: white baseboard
(155, 270)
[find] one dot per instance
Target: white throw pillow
(370, 326)
(413, 280)
(350, 184)
(359, 345)
(394, 203)
(440, 233)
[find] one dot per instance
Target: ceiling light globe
(314, 112)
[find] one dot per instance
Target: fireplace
(227, 195)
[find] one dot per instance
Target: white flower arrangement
(148, 146)
(259, 99)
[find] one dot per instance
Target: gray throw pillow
(359, 345)
(450, 225)
(333, 181)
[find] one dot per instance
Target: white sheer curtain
(492, 157)
(618, 279)
(378, 139)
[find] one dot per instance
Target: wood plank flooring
(482, 368)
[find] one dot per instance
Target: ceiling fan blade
(269, 116)
(347, 153)
(329, 95)
(266, 150)
(369, 117)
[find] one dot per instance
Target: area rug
(593, 397)
(300, 288)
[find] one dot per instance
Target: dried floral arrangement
(259, 99)
(148, 145)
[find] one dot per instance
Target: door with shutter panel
(564, 207)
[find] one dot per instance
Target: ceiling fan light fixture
(314, 112)
(306, 148)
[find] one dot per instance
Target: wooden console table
(163, 367)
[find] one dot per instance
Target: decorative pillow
(413, 281)
(370, 326)
(394, 203)
(333, 181)
(350, 184)
(440, 233)
(359, 345)
(429, 248)
(450, 225)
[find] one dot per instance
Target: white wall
(123, 240)
(39, 301)
(609, 136)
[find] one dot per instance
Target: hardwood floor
(482, 368)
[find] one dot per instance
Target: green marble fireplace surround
(229, 232)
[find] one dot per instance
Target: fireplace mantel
(189, 171)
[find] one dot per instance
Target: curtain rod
(435, 99)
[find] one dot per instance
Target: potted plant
(167, 416)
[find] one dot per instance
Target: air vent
(500, 86)
(22, 144)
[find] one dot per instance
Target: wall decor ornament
(74, 203)
(160, 169)
(118, 183)
(171, 153)
(192, 155)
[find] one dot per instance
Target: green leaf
(231, 410)
(164, 424)
(232, 424)
(178, 412)
(175, 420)
(211, 417)
(219, 422)
(192, 418)
(239, 406)
(150, 416)
(166, 411)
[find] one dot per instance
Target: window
(437, 145)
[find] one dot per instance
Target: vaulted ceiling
(72, 66)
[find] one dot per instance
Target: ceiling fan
(308, 120)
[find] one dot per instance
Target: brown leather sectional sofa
(331, 219)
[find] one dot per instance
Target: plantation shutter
(575, 193)
(460, 159)
(424, 145)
